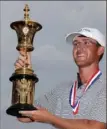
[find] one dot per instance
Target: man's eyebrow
(86, 39)
(90, 40)
(75, 41)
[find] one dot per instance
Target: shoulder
(100, 84)
(101, 88)
(103, 78)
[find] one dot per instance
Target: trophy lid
(26, 21)
(26, 30)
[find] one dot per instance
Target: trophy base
(14, 109)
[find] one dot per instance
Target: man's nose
(80, 46)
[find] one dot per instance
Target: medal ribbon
(72, 96)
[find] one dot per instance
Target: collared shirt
(92, 104)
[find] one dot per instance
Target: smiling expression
(85, 51)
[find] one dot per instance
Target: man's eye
(87, 42)
(75, 44)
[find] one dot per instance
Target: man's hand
(40, 115)
(25, 120)
(23, 59)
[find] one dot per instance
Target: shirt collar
(79, 80)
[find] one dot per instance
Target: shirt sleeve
(98, 111)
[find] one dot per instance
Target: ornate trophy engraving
(24, 79)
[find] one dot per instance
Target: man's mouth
(80, 55)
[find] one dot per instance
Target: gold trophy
(23, 79)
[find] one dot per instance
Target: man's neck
(86, 72)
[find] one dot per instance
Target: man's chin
(81, 63)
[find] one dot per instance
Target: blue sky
(52, 58)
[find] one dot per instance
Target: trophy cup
(23, 79)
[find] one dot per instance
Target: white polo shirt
(92, 104)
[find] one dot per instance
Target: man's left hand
(39, 115)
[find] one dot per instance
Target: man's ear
(100, 50)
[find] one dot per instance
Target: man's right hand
(24, 120)
(23, 59)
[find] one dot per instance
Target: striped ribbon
(72, 96)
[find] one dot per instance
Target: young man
(80, 104)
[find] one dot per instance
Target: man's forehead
(78, 37)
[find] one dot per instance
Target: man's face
(85, 51)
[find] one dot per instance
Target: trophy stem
(25, 51)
